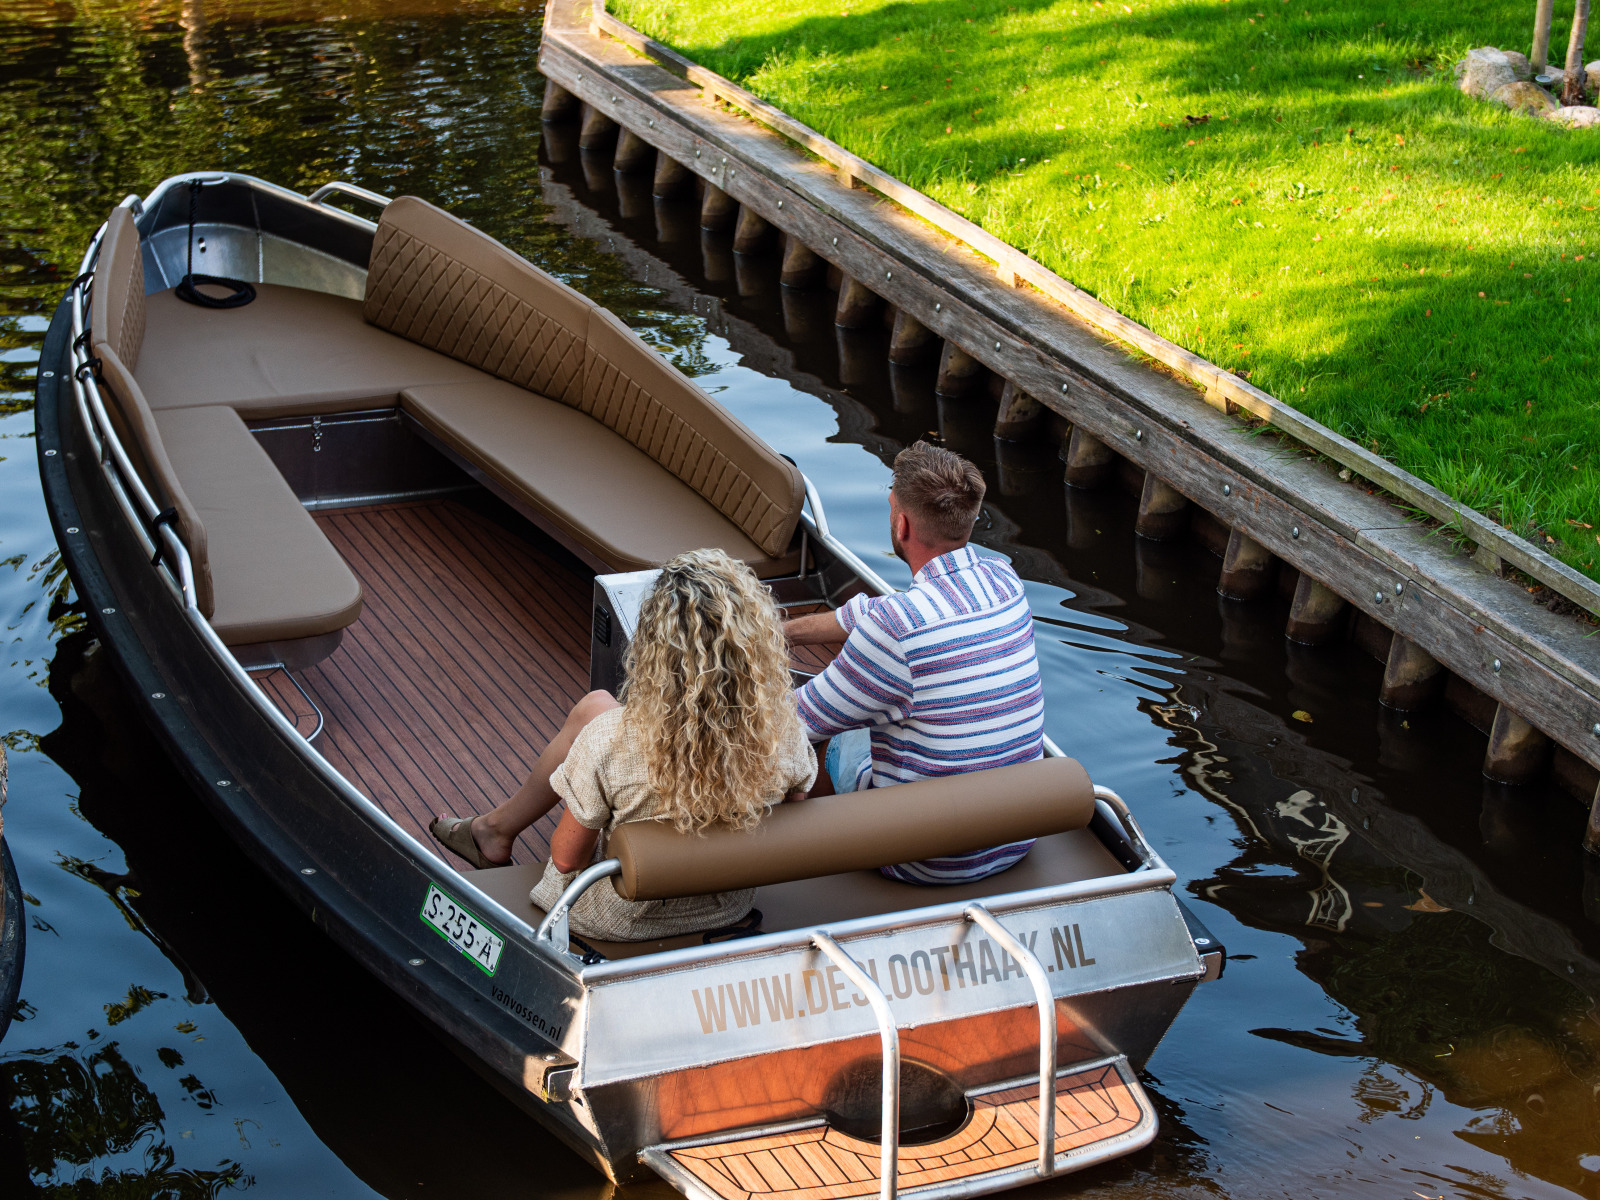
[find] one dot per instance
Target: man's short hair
(941, 490)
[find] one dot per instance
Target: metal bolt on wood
(858, 306)
(1090, 462)
(598, 132)
(802, 266)
(1246, 568)
(1411, 677)
(633, 153)
(752, 233)
(1517, 753)
(1162, 511)
(672, 178)
(1020, 414)
(718, 210)
(559, 104)
(959, 372)
(910, 341)
(1316, 613)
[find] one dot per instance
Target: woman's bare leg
(496, 831)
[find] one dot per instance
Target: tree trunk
(1572, 88)
(1541, 35)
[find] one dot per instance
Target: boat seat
(289, 353)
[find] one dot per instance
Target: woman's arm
(572, 844)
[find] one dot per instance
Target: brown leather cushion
(436, 280)
(274, 575)
(633, 390)
(136, 429)
(290, 352)
(116, 297)
(592, 488)
(828, 835)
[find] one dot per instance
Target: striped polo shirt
(945, 678)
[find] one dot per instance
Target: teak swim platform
(360, 540)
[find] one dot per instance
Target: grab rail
(889, 1133)
(1046, 1001)
(339, 187)
(556, 928)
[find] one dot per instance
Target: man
(936, 680)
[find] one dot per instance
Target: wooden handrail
(1223, 389)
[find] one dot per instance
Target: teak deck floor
(471, 648)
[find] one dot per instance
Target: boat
(361, 507)
(13, 935)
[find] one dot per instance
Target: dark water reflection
(1411, 1008)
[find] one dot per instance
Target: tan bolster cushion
(141, 438)
(828, 835)
(290, 352)
(630, 388)
(589, 486)
(116, 297)
(275, 575)
(439, 282)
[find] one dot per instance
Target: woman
(706, 733)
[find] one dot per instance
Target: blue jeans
(849, 760)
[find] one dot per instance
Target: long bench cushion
(136, 429)
(274, 575)
(290, 352)
(116, 296)
(591, 487)
(436, 280)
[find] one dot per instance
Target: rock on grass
(1575, 116)
(1484, 71)
(1528, 98)
(1521, 68)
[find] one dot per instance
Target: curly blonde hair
(708, 693)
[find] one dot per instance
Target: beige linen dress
(605, 783)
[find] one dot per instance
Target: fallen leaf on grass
(1301, 714)
(1579, 524)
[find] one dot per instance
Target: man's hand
(814, 629)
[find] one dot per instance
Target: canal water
(1409, 1009)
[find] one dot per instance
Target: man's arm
(814, 629)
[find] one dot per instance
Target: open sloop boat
(365, 514)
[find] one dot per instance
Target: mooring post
(1411, 677)
(1161, 510)
(858, 305)
(1591, 835)
(910, 340)
(672, 177)
(718, 210)
(959, 372)
(1020, 414)
(803, 267)
(559, 104)
(1246, 568)
(633, 153)
(750, 235)
(1090, 462)
(1314, 616)
(599, 132)
(1517, 751)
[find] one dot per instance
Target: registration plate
(462, 930)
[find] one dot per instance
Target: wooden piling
(559, 104)
(672, 178)
(1411, 676)
(718, 210)
(1316, 614)
(802, 266)
(910, 340)
(1090, 462)
(858, 357)
(1591, 836)
(1517, 753)
(858, 306)
(1246, 568)
(633, 153)
(599, 132)
(959, 372)
(1161, 511)
(1020, 414)
(751, 234)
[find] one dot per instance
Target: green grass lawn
(1292, 188)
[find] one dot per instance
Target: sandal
(455, 835)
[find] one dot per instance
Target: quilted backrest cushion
(116, 297)
(136, 427)
(437, 281)
(631, 389)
